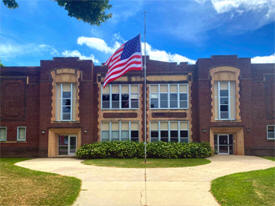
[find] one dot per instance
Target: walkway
(187, 186)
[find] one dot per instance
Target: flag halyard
(126, 58)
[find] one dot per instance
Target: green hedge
(127, 149)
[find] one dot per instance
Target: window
(271, 132)
(169, 131)
(116, 96)
(3, 134)
(119, 131)
(169, 96)
(226, 100)
(65, 101)
(21, 133)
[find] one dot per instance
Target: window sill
(270, 139)
(65, 121)
(118, 109)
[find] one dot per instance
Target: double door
(224, 144)
(67, 144)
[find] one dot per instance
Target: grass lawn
(255, 188)
(151, 163)
(20, 186)
(269, 158)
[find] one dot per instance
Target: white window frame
(168, 93)
(219, 101)
(169, 130)
(61, 103)
(120, 97)
(267, 132)
(120, 129)
(18, 128)
(6, 133)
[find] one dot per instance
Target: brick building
(53, 109)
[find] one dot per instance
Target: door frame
(69, 144)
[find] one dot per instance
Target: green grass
(21, 186)
(269, 158)
(151, 163)
(255, 188)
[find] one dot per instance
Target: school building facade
(53, 109)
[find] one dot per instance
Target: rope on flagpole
(145, 111)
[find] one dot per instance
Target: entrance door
(66, 144)
(224, 144)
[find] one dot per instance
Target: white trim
(168, 96)
(6, 133)
(229, 103)
(25, 133)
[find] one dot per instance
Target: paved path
(187, 186)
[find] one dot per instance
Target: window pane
(115, 135)
(66, 109)
(3, 133)
(183, 88)
(183, 96)
(174, 136)
(154, 103)
(183, 104)
(224, 100)
(124, 135)
(183, 133)
(164, 136)
(163, 100)
(105, 136)
(173, 100)
(224, 108)
(66, 116)
(224, 115)
(115, 100)
(66, 94)
(21, 133)
(134, 136)
(173, 88)
(224, 93)
(125, 101)
(134, 103)
(154, 136)
(106, 101)
(154, 88)
(163, 88)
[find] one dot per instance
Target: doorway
(66, 144)
(223, 144)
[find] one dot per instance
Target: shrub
(127, 149)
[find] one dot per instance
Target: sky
(176, 31)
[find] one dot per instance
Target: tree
(90, 11)
(1, 65)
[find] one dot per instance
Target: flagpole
(145, 109)
(145, 91)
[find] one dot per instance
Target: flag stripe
(123, 68)
(126, 58)
(132, 67)
(120, 64)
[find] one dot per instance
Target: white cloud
(222, 6)
(98, 44)
(11, 50)
(76, 53)
(263, 59)
(162, 55)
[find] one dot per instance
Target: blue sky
(177, 30)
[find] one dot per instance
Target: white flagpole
(145, 90)
(145, 112)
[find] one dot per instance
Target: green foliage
(1, 65)
(90, 11)
(12, 4)
(126, 149)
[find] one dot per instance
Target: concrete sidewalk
(187, 186)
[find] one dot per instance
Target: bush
(127, 149)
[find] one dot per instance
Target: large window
(119, 131)
(226, 100)
(169, 96)
(169, 131)
(21, 133)
(3, 133)
(65, 101)
(120, 96)
(271, 132)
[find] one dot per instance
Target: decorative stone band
(120, 115)
(169, 115)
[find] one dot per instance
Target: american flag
(126, 58)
